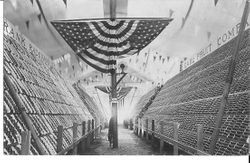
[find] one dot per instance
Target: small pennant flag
(31, 1)
(215, 2)
(39, 17)
(160, 57)
(154, 58)
(171, 12)
(65, 2)
(168, 58)
(78, 59)
(183, 22)
(208, 35)
(27, 24)
(163, 60)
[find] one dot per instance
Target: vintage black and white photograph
(126, 77)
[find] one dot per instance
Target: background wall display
(48, 100)
(193, 98)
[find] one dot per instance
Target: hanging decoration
(215, 2)
(65, 2)
(104, 40)
(171, 13)
(163, 60)
(208, 35)
(39, 17)
(27, 24)
(187, 15)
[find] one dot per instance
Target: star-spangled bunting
(100, 42)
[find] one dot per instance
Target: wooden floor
(129, 144)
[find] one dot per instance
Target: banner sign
(220, 40)
(13, 32)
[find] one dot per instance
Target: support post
(25, 142)
(176, 128)
(161, 139)
(114, 108)
(83, 128)
(83, 142)
(75, 125)
(200, 137)
(130, 124)
(88, 137)
(146, 129)
(139, 127)
(229, 80)
(59, 138)
(152, 134)
(93, 127)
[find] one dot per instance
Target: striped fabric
(100, 42)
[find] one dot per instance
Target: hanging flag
(31, 1)
(154, 58)
(208, 35)
(187, 15)
(215, 2)
(39, 17)
(183, 22)
(101, 42)
(65, 2)
(168, 58)
(171, 13)
(160, 57)
(163, 60)
(78, 59)
(27, 24)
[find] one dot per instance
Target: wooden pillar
(161, 138)
(131, 124)
(59, 138)
(83, 128)
(152, 134)
(176, 128)
(25, 142)
(93, 127)
(75, 125)
(88, 137)
(139, 127)
(146, 129)
(200, 137)
(83, 142)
